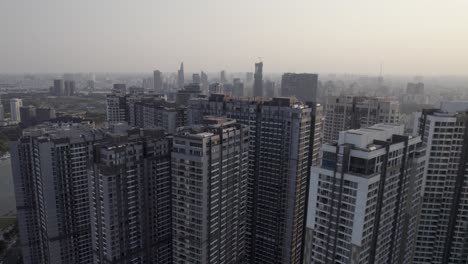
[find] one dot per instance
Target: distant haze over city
(418, 37)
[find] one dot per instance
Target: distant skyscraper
(130, 190)
(180, 76)
(69, 88)
(28, 115)
(238, 87)
(443, 230)
(364, 199)
(216, 88)
(59, 87)
(301, 85)
(204, 79)
(44, 114)
(157, 81)
(249, 77)
(279, 163)
(196, 78)
(222, 76)
(15, 105)
(258, 80)
(269, 88)
(119, 89)
(190, 91)
(209, 179)
(50, 172)
(2, 111)
(353, 112)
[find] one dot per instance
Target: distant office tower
(69, 88)
(204, 79)
(353, 112)
(28, 115)
(443, 230)
(119, 89)
(2, 111)
(116, 108)
(216, 88)
(279, 162)
(180, 76)
(136, 90)
(209, 179)
(222, 77)
(15, 105)
(90, 84)
(196, 78)
(148, 85)
(59, 87)
(190, 91)
(238, 87)
(157, 81)
(415, 88)
(258, 80)
(249, 77)
(301, 85)
(130, 190)
(44, 114)
(50, 172)
(415, 94)
(154, 113)
(364, 200)
(269, 88)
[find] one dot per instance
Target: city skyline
(414, 38)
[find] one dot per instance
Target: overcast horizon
(419, 37)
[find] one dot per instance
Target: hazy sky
(353, 36)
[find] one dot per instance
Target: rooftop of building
(211, 124)
(275, 101)
(364, 138)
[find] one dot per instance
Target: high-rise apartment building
(364, 199)
(209, 179)
(151, 113)
(280, 134)
(15, 105)
(50, 173)
(116, 108)
(130, 190)
(353, 112)
(258, 80)
(157, 81)
(87, 195)
(302, 85)
(443, 230)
